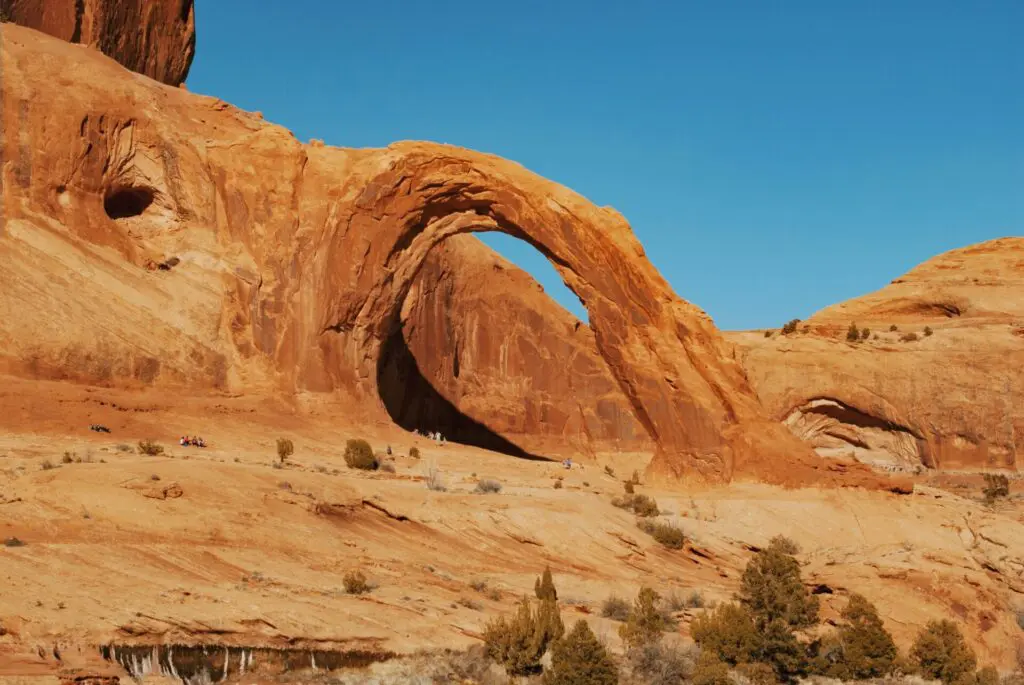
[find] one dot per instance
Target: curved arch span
(670, 361)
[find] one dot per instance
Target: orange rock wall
(152, 37)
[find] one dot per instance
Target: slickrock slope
(224, 550)
(483, 334)
(902, 397)
(152, 37)
(284, 267)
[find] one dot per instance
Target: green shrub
(414, 452)
(469, 603)
(67, 458)
(893, 328)
(628, 487)
(767, 334)
(927, 331)
(355, 583)
(862, 648)
(695, 600)
(852, 334)
(865, 333)
(641, 505)
(47, 465)
(558, 484)
(772, 591)
(659, 663)
(580, 659)
(645, 622)
(790, 326)
(359, 455)
(544, 587)
(728, 632)
(635, 479)
(13, 542)
(285, 449)
(519, 643)
(997, 486)
(487, 485)
(757, 673)
(909, 337)
(941, 653)
(666, 533)
(150, 448)
(615, 608)
(610, 471)
(710, 671)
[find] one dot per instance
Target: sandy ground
(217, 546)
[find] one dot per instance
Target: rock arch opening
(484, 355)
(127, 202)
(835, 428)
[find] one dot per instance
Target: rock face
(938, 380)
(153, 37)
(282, 267)
(483, 335)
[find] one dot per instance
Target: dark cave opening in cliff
(422, 394)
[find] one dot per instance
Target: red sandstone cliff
(153, 37)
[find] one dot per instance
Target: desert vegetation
(285, 449)
(359, 455)
(355, 583)
(641, 505)
(790, 326)
(668, 534)
(766, 633)
(997, 486)
(150, 448)
(487, 486)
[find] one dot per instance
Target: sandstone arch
(295, 259)
(670, 361)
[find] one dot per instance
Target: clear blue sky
(774, 158)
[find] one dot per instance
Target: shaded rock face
(282, 267)
(947, 397)
(483, 335)
(152, 37)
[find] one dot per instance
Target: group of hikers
(193, 441)
(433, 435)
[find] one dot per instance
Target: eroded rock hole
(834, 428)
(124, 203)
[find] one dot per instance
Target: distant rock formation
(936, 381)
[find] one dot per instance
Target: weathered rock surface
(483, 335)
(279, 266)
(905, 398)
(152, 37)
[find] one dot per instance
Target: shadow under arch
(413, 403)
